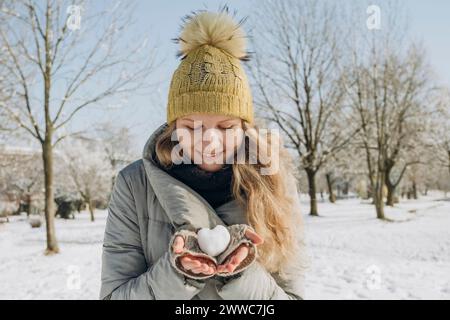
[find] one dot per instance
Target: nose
(212, 138)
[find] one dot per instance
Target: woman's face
(206, 140)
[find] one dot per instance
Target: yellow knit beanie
(210, 78)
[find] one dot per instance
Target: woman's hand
(240, 253)
(190, 262)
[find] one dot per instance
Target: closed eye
(194, 128)
(230, 126)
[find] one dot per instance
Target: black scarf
(215, 187)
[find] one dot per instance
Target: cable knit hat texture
(210, 77)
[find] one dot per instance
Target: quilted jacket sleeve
(125, 273)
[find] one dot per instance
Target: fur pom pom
(215, 29)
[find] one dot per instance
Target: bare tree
(21, 176)
(116, 142)
(387, 86)
(441, 129)
(407, 111)
(297, 80)
(89, 171)
(64, 57)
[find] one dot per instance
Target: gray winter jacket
(147, 206)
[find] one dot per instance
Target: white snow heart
(213, 241)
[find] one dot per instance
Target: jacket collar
(185, 208)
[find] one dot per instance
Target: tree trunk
(390, 195)
(47, 147)
(312, 192)
(91, 210)
(332, 196)
(390, 189)
(47, 155)
(414, 190)
(379, 206)
(389, 185)
(378, 201)
(378, 195)
(448, 152)
(28, 204)
(346, 188)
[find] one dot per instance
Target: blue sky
(430, 21)
(160, 21)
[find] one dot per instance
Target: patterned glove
(190, 248)
(237, 233)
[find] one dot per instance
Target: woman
(192, 177)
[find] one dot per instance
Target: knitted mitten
(190, 248)
(237, 238)
(237, 233)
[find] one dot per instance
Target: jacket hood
(149, 148)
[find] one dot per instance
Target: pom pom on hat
(215, 29)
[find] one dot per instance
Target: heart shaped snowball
(213, 241)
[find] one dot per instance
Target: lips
(211, 155)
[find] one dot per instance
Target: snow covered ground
(353, 255)
(356, 256)
(74, 273)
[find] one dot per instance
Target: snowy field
(353, 255)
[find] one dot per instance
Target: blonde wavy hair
(265, 198)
